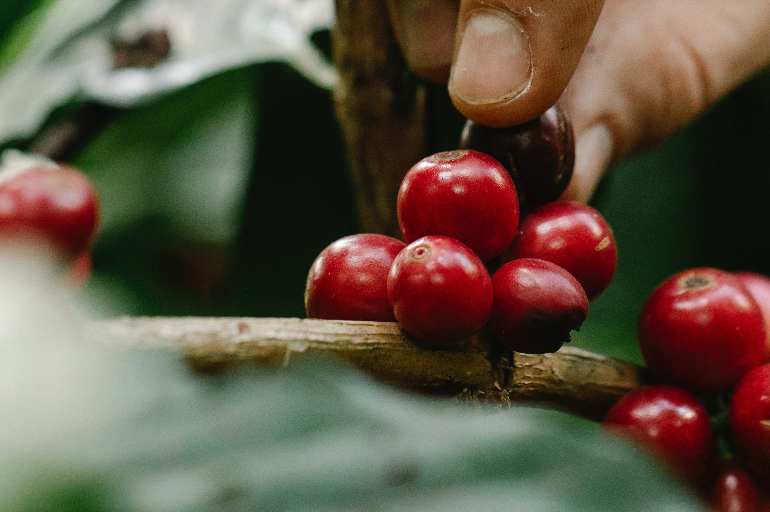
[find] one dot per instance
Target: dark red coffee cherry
(464, 195)
(440, 290)
(750, 421)
(759, 288)
(574, 236)
(539, 154)
(59, 204)
(670, 423)
(733, 490)
(349, 279)
(536, 305)
(701, 330)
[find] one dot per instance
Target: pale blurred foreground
(87, 427)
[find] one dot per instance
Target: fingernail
(593, 156)
(429, 33)
(494, 59)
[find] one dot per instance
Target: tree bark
(477, 370)
(381, 107)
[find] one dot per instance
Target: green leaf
(65, 52)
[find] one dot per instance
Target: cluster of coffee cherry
(703, 335)
(50, 207)
(469, 262)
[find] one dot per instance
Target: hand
(628, 74)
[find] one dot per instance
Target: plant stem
(381, 108)
(575, 380)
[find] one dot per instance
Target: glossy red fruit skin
(440, 290)
(536, 305)
(759, 287)
(750, 421)
(574, 236)
(349, 279)
(701, 330)
(733, 490)
(670, 423)
(60, 203)
(464, 195)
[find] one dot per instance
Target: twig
(381, 108)
(572, 379)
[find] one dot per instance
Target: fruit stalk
(574, 380)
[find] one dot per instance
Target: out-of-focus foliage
(69, 52)
(92, 428)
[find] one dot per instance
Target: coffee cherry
(536, 305)
(670, 423)
(574, 236)
(349, 279)
(701, 330)
(58, 203)
(759, 288)
(464, 195)
(439, 290)
(750, 421)
(733, 490)
(538, 154)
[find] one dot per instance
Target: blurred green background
(699, 199)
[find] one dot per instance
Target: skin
(628, 73)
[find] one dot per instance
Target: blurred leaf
(17, 25)
(88, 426)
(70, 55)
(186, 158)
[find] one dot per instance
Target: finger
(647, 73)
(593, 156)
(514, 58)
(425, 30)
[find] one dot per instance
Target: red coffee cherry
(574, 236)
(58, 203)
(538, 154)
(440, 290)
(464, 195)
(701, 330)
(759, 288)
(670, 423)
(349, 279)
(750, 421)
(733, 490)
(536, 305)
